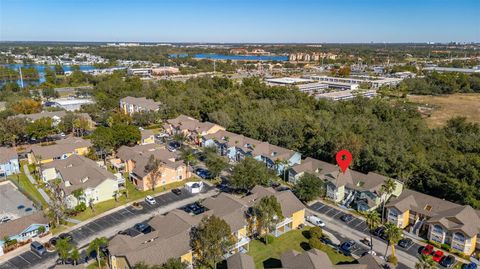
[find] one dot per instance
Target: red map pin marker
(344, 158)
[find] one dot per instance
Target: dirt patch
(439, 109)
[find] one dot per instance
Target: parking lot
(359, 225)
(13, 203)
(30, 259)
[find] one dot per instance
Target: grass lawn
(268, 256)
(133, 194)
(32, 193)
(448, 106)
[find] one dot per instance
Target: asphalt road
(360, 226)
(30, 259)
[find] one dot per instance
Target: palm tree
(95, 246)
(394, 234)
(425, 262)
(373, 221)
(387, 189)
(63, 247)
(75, 255)
(153, 168)
(188, 158)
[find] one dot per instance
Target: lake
(214, 56)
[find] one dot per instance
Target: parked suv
(37, 248)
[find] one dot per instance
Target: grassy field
(22, 182)
(268, 256)
(133, 194)
(445, 107)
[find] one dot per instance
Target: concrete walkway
(32, 180)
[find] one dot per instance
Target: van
(315, 221)
(37, 248)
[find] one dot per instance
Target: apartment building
(130, 105)
(9, 164)
(57, 150)
(352, 189)
(441, 221)
(191, 128)
(136, 158)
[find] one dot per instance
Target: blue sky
(240, 21)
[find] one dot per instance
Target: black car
(379, 231)
(53, 241)
(405, 242)
(346, 218)
(447, 261)
(177, 191)
(143, 228)
(348, 246)
(67, 236)
(203, 173)
(173, 146)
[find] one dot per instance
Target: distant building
(451, 69)
(346, 95)
(60, 149)
(165, 70)
(56, 117)
(130, 105)
(191, 128)
(9, 164)
(70, 104)
(148, 137)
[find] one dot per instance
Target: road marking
(359, 223)
(336, 214)
(36, 254)
(12, 265)
(129, 211)
(20, 256)
(328, 211)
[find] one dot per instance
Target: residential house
(130, 105)
(148, 137)
(24, 228)
(240, 261)
(191, 128)
(170, 238)
(8, 162)
(442, 221)
(136, 158)
(78, 172)
(60, 149)
(237, 147)
(352, 189)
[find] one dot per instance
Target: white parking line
(320, 207)
(359, 223)
(336, 214)
(36, 254)
(328, 211)
(129, 211)
(20, 256)
(12, 265)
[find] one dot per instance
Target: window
(437, 229)
(459, 237)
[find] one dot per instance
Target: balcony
(284, 222)
(241, 242)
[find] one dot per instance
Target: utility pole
(21, 76)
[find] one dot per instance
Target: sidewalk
(32, 180)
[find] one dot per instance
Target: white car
(150, 200)
(315, 221)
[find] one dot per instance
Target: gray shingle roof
(60, 147)
(17, 226)
(240, 261)
(7, 154)
(147, 104)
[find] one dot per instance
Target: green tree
(267, 212)
(215, 164)
(387, 188)
(12, 130)
(103, 139)
(50, 93)
(211, 240)
(64, 246)
(153, 168)
(41, 128)
(188, 158)
(309, 187)
(75, 255)
(95, 246)
(248, 173)
(394, 234)
(425, 262)
(372, 219)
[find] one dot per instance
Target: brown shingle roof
(17, 226)
(462, 218)
(7, 154)
(147, 104)
(420, 202)
(62, 146)
(240, 261)
(229, 208)
(313, 259)
(288, 201)
(183, 122)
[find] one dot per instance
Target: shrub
(316, 232)
(315, 242)
(392, 259)
(81, 207)
(446, 247)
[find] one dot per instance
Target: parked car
(471, 265)
(143, 228)
(150, 200)
(173, 146)
(348, 246)
(447, 261)
(203, 173)
(327, 241)
(5, 219)
(405, 242)
(379, 231)
(37, 248)
(53, 241)
(177, 191)
(427, 250)
(315, 221)
(438, 255)
(67, 236)
(346, 218)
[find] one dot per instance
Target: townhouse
(60, 149)
(147, 137)
(130, 105)
(237, 147)
(135, 160)
(438, 220)
(171, 235)
(9, 164)
(190, 128)
(352, 189)
(80, 173)
(23, 229)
